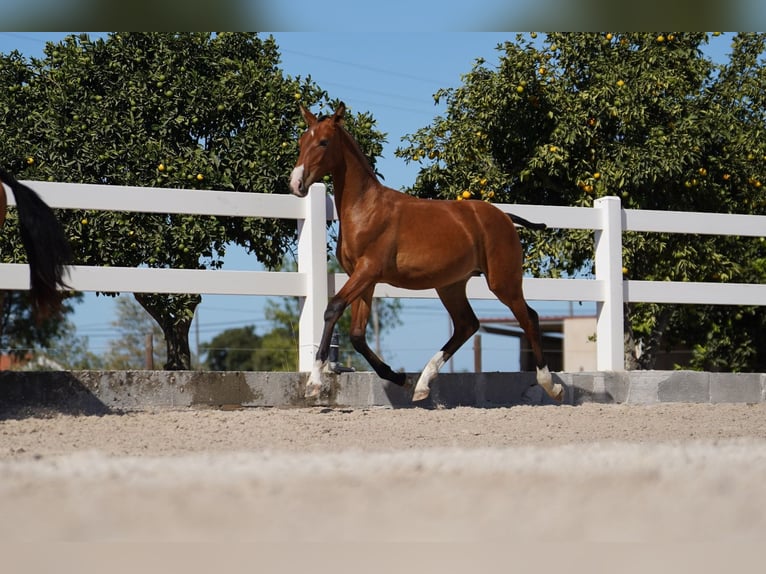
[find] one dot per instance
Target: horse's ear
(307, 115)
(340, 112)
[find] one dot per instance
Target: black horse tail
(524, 223)
(48, 250)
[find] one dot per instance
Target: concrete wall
(101, 392)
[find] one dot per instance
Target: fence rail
(312, 283)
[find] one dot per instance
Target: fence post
(610, 342)
(312, 261)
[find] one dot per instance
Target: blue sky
(393, 75)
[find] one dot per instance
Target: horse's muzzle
(297, 185)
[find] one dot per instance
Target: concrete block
(97, 392)
(581, 387)
(387, 394)
(362, 389)
(216, 389)
(736, 387)
(356, 391)
(453, 390)
(684, 387)
(62, 391)
(598, 387)
(643, 388)
(503, 389)
(267, 389)
(536, 395)
(616, 385)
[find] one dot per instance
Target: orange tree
(187, 110)
(568, 118)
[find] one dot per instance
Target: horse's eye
(323, 143)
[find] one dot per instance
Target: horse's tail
(523, 222)
(46, 245)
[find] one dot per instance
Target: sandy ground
(672, 473)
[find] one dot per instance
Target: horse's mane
(358, 151)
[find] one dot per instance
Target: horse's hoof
(557, 393)
(312, 391)
(420, 395)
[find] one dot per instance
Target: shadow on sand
(43, 394)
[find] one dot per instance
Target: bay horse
(386, 236)
(47, 248)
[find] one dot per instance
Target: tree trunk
(631, 358)
(645, 357)
(649, 352)
(174, 314)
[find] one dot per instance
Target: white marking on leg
(545, 380)
(314, 384)
(296, 180)
(429, 373)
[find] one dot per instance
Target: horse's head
(319, 151)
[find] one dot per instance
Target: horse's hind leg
(360, 313)
(529, 322)
(464, 323)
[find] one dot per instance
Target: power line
(22, 37)
(365, 67)
(377, 104)
(375, 92)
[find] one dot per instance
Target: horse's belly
(429, 270)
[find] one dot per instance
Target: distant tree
(232, 350)
(21, 333)
(279, 351)
(70, 351)
(127, 351)
(241, 349)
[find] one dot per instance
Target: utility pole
(477, 353)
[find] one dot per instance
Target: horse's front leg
(350, 292)
(331, 315)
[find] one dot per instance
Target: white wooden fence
(312, 283)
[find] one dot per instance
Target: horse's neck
(354, 179)
(351, 190)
